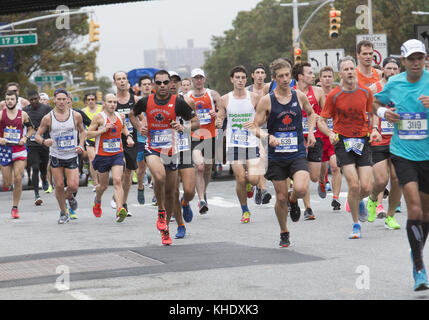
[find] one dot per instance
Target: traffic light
(93, 31)
(99, 96)
(89, 76)
(297, 55)
(334, 23)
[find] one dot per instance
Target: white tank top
(238, 112)
(64, 134)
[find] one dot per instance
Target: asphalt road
(220, 258)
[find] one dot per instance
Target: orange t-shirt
(349, 111)
(365, 81)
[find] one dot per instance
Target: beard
(11, 108)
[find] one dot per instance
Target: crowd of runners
(371, 128)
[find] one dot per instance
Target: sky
(127, 29)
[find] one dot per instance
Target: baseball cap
(389, 60)
(197, 72)
(61, 90)
(43, 95)
(174, 74)
(412, 46)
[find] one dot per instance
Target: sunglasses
(165, 82)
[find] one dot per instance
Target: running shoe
(181, 232)
(45, 185)
(250, 190)
(121, 214)
(166, 239)
(49, 190)
(113, 202)
(356, 232)
(72, 214)
(64, 218)
(14, 213)
(245, 218)
(128, 211)
(154, 202)
(258, 196)
(421, 281)
(186, 212)
(308, 214)
(381, 213)
(335, 205)
(161, 223)
(391, 224)
(134, 179)
(96, 209)
(202, 206)
(140, 196)
(284, 240)
(72, 203)
(328, 186)
(37, 200)
(321, 189)
(347, 206)
(371, 206)
(398, 208)
(266, 197)
(363, 212)
(295, 210)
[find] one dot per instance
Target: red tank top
(384, 127)
(207, 124)
(110, 143)
(316, 108)
(161, 137)
(11, 130)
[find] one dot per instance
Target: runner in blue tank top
(282, 111)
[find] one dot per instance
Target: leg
(58, 177)
(18, 169)
(353, 197)
(91, 156)
(280, 208)
(117, 172)
(158, 174)
(103, 184)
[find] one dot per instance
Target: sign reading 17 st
(15, 40)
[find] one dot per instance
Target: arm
(139, 107)
(263, 109)
(311, 115)
(30, 128)
(221, 113)
(217, 101)
(130, 141)
(81, 131)
(44, 125)
(97, 122)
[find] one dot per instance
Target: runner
(282, 111)
(91, 110)
(204, 139)
(366, 74)
(304, 77)
(106, 127)
(22, 102)
(262, 196)
(65, 126)
(348, 105)
(13, 154)
(186, 86)
(38, 155)
(44, 98)
(329, 157)
(382, 166)
(238, 106)
(126, 102)
(162, 109)
(409, 146)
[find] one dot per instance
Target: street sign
(49, 78)
(324, 57)
(380, 45)
(422, 33)
(17, 40)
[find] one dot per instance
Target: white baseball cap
(43, 95)
(412, 46)
(174, 73)
(197, 72)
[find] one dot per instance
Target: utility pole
(370, 26)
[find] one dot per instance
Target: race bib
(354, 144)
(66, 141)
(330, 123)
(183, 142)
(129, 125)
(413, 126)
(204, 116)
(386, 128)
(161, 139)
(12, 135)
(305, 125)
(288, 141)
(112, 145)
(240, 137)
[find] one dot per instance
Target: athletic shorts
(314, 154)
(103, 164)
(185, 160)
(328, 149)
(351, 157)
(171, 163)
(140, 151)
(380, 153)
(281, 170)
(205, 146)
(241, 154)
(412, 171)
(37, 155)
(10, 154)
(72, 163)
(89, 143)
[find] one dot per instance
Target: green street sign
(17, 40)
(50, 78)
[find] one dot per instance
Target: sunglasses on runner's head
(165, 82)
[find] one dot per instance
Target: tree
(55, 47)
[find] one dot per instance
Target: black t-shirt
(36, 115)
(182, 108)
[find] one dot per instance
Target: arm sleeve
(184, 110)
